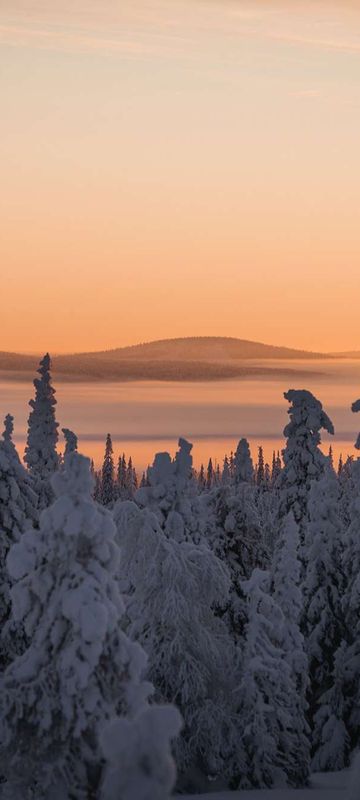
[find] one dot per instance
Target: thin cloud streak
(327, 44)
(166, 40)
(87, 42)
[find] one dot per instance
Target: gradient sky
(179, 167)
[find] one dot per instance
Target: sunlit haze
(179, 168)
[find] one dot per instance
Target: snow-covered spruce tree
(18, 510)
(131, 480)
(351, 599)
(287, 594)
(303, 459)
(121, 475)
(192, 661)
(267, 476)
(201, 478)
(108, 493)
(80, 669)
(276, 467)
(71, 444)
(324, 624)
(233, 531)
(210, 475)
(260, 468)
(40, 451)
(269, 738)
(243, 465)
(139, 763)
(349, 487)
(225, 477)
(241, 540)
(172, 495)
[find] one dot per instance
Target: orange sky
(179, 167)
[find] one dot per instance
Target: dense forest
(178, 628)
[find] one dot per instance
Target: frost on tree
(40, 452)
(171, 494)
(324, 625)
(80, 668)
(139, 762)
(268, 739)
(303, 459)
(243, 465)
(107, 493)
(234, 532)
(287, 594)
(351, 602)
(172, 589)
(18, 504)
(71, 441)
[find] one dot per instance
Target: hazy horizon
(148, 416)
(169, 339)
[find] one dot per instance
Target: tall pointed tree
(210, 475)
(351, 599)
(286, 571)
(324, 624)
(40, 452)
(303, 459)
(108, 475)
(243, 465)
(18, 511)
(260, 468)
(225, 478)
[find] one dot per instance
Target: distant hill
(206, 348)
(187, 359)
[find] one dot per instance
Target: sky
(177, 168)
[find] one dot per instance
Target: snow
(323, 786)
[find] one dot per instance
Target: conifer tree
(71, 442)
(277, 468)
(243, 465)
(351, 599)
(267, 476)
(18, 510)
(80, 669)
(107, 474)
(286, 571)
(225, 478)
(131, 480)
(268, 739)
(273, 466)
(324, 624)
(210, 475)
(201, 478)
(191, 657)
(232, 466)
(340, 465)
(171, 494)
(260, 468)
(217, 475)
(40, 452)
(303, 459)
